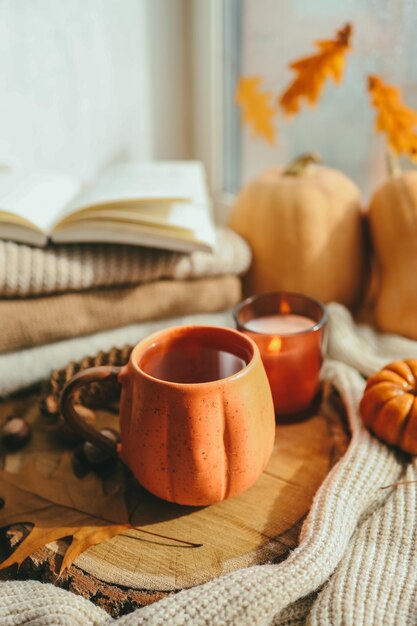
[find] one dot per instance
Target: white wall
(76, 80)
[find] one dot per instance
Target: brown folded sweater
(35, 321)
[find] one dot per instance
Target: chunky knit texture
(356, 562)
(27, 271)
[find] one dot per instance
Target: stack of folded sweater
(64, 302)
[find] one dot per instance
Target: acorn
(15, 433)
(99, 456)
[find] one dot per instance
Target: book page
(183, 219)
(36, 197)
(132, 216)
(145, 182)
(196, 217)
(135, 234)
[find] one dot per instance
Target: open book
(156, 204)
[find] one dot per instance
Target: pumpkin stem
(393, 164)
(301, 164)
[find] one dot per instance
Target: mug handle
(74, 419)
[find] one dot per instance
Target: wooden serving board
(260, 525)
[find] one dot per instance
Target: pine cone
(95, 395)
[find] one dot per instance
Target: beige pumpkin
(306, 230)
(393, 226)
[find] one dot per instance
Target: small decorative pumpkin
(389, 405)
(306, 230)
(393, 227)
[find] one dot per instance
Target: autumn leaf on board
(60, 506)
(312, 71)
(393, 118)
(257, 109)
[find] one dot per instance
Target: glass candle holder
(289, 330)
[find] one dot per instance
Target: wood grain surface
(260, 525)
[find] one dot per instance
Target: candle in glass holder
(287, 323)
(289, 331)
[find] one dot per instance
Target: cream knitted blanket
(26, 271)
(356, 563)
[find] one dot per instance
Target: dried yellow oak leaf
(60, 506)
(256, 106)
(312, 71)
(393, 118)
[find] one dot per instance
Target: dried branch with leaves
(393, 118)
(312, 71)
(257, 108)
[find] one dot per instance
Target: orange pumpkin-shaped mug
(197, 421)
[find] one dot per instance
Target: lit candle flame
(284, 307)
(274, 345)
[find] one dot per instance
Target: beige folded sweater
(36, 321)
(27, 271)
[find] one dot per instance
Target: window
(260, 37)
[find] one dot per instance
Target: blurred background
(87, 83)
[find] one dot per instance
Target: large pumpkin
(305, 227)
(389, 404)
(393, 226)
